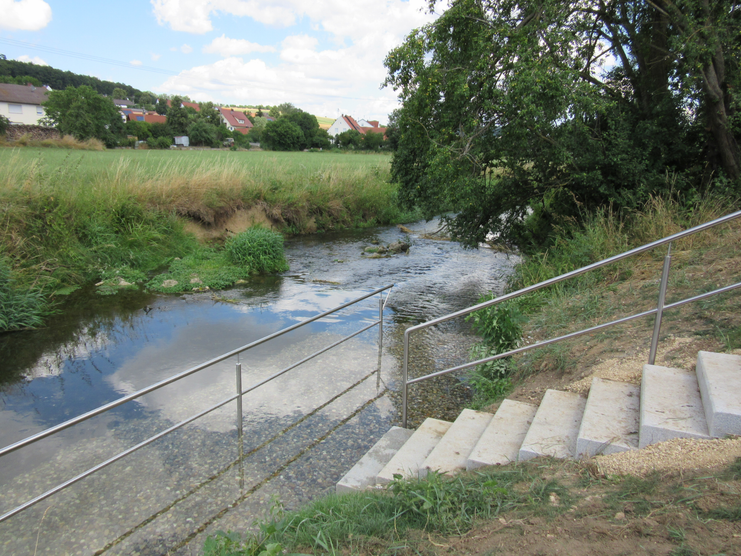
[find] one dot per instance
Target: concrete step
(363, 474)
(451, 453)
(719, 378)
(610, 421)
(555, 427)
(671, 406)
(500, 443)
(410, 457)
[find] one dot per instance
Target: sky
(323, 56)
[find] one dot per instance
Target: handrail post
(660, 306)
(380, 325)
(404, 379)
(239, 400)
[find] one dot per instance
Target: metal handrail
(238, 396)
(529, 289)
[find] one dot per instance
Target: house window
(39, 111)
(15, 108)
(240, 121)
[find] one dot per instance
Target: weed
(258, 249)
(20, 307)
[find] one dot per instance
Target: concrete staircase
(616, 417)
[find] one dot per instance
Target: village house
(235, 120)
(347, 123)
(21, 104)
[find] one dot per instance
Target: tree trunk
(718, 120)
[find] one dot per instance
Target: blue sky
(324, 56)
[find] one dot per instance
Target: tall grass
(584, 300)
(19, 307)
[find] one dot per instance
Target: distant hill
(58, 79)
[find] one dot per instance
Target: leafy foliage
(512, 119)
(177, 117)
(27, 72)
(500, 329)
(282, 135)
(258, 249)
(203, 133)
(84, 114)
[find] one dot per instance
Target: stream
(302, 431)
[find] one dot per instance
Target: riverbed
(303, 431)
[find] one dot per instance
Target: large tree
(551, 108)
(282, 135)
(177, 116)
(83, 113)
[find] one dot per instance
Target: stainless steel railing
(238, 396)
(658, 311)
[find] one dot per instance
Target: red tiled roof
(352, 123)
(154, 118)
(193, 105)
(376, 129)
(233, 116)
(23, 94)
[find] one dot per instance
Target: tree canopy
(83, 113)
(524, 114)
(282, 135)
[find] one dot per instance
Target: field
(301, 192)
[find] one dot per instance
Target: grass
(365, 521)
(700, 263)
(72, 216)
(500, 506)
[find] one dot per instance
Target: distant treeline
(12, 71)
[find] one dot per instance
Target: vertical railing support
(404, 378)
(239, 400)
(240, 444)
(380, 325)
(660, 306)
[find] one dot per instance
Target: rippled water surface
(303, 431)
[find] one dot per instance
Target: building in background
(21, 104)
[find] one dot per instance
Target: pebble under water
(302, 432)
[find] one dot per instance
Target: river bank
(73, 217)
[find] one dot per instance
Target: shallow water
(302, 431)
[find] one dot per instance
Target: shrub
(159, 142)
(259, 249)
(501, 330)
(19, 308)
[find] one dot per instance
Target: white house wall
(339, 126)
(30, 113)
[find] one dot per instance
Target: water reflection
(100, 349)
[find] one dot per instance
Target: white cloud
(193, 16)
(24, 15)
(186, 49)
(342, 75)
(155, 57)
(35, 60)
(234, 47)
(135, 62)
